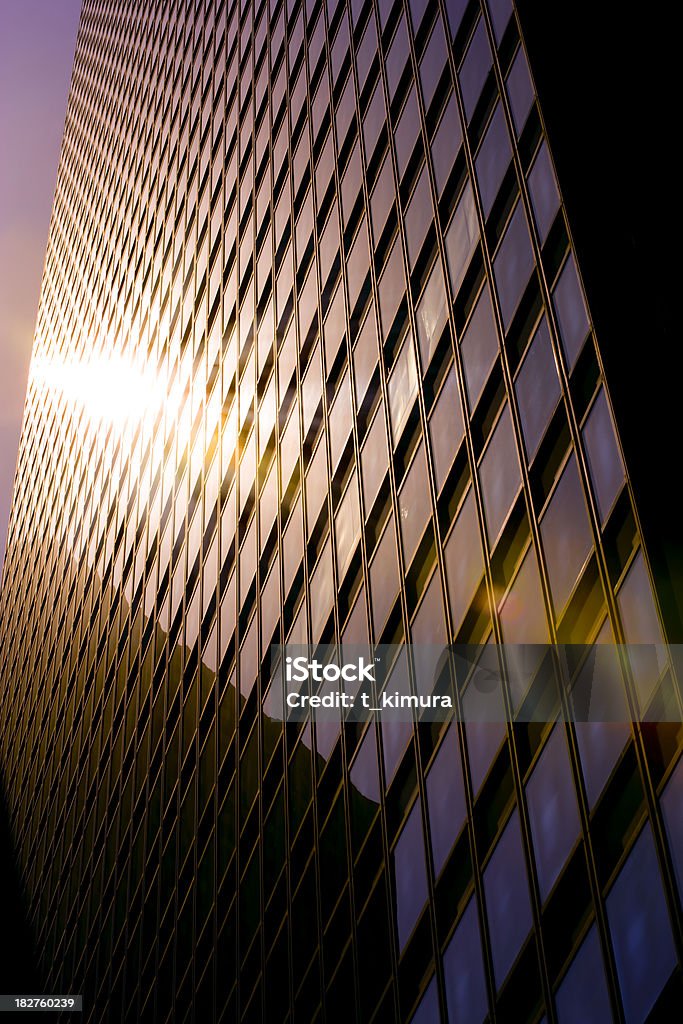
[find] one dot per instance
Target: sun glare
(109, 389)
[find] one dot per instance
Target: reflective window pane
(553, 811)
(582, 997)
(413, 508)
(493, 159)
(566, 534)
(604, 458)
(464, 561)
(500, 475)
(479, 347)
(445, 798)
(508, 906)
(463, 969)
(571, 312)
(461, 238)
(545, 198)
(513, 264)
(410, 872)
(672, 811)
(639, 924)
(538, 389)
(446, 428)
(475, 68)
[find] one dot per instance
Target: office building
(313, 364)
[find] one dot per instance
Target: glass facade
(313, 364)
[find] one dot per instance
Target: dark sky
(37, 41)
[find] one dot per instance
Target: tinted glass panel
(566, 533)
(508, 907)
(582, 998)
(571, 312)
(463, 969)
(604, 459)
(553, 812)
(500, 475)
(641, 931)
(479, 347)
(445, 798)
(538, 389)
(410, 874)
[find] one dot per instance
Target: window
(432, 314)
(582, 997)
(446, 144)
(428, 629)
(366, 52)
(571, 312)
(396, 734)
(374, 460)
(340, 419)
(500, 475)
(522, 614)
(461, 238)
(493, 159)
(407, 133)
(428, 1010)
(293, 545)
(410, 872)
(414, 505)
(604, 458)
(289, 448)
(463, 967)
(358, 265)
(508, 906)
(475, 68)
(316, 486)
(479, 347)
(346, 110)
(446, 428)
(445, 798)
(321, 591)
(433, 63)
(513, 264)
(347, 526)
(248, 560)
(484, 715)
(382, 199)
(374, 121)
(672, 810)
(365, 356)
(464, 561)
(335, 326)
(641, 627)
(545, 198)
(520, 91)
(397, 57)
(311, 390)
(384, 579)
(566, 535)
(639, 924)
(537, 388)
(553, 813)
(418, 218)
(364, 774)
(270, 604)
(500, 16)
(402, 387)
(392, 287)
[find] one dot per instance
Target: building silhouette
(313, 364)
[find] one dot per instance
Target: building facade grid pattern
(315, 259)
